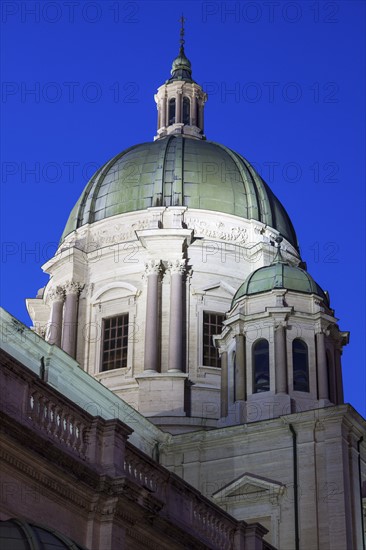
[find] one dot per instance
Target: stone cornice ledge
(338, 413)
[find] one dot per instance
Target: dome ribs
(177, 186)
(159, 177)
(180, 171)
(252, 207)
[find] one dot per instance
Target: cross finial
(182, 20)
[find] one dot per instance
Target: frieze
(218, 230)
(46, 481)
(119, 233)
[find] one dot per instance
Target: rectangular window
(212, 325)
(115, 342)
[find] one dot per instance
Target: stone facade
(289, 458)
(298, 475)
(112, 272)
(68, 470)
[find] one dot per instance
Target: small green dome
(179, 171)
(181, 68)
(279, 275)
(181, 62)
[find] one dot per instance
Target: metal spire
(182, 20)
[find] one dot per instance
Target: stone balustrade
(58, 421)
(101, 446)
(184, 504)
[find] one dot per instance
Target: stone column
(338, 369)
(322, 366)
(176, 269)
(200, 117)
(224, 385)
(162, 113)
(54, 329)
(194, 110)
(69, 326)
(241, 369)
(280, 358)
(151, 359)
(159, 114)
(178, 106)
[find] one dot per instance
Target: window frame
(186, 101)
(211, 345)
(256, 387)
(307, 371)
(102, 350)
(172, 107)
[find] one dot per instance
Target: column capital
(322, 330)
(56, 294)
(72, 287)
(177, 266)
(153, 267)
(280, 323)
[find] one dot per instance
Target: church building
(181, 386)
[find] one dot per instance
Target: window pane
(212, 325)
(114, 346)
(186, 110)
(172, 111)
(261, 366)
(300, 365)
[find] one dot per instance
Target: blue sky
(286, 84)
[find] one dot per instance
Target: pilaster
(72, 291)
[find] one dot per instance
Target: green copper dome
(279, 275)
(179, 171)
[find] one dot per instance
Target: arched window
(186, 110)
(300, 363)
(261, 366)
(172, 111)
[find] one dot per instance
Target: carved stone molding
(177, 266)
(280, 324)
(73, 287)
(56, 294)
(118, 233)
(153, 267)
(218, 230)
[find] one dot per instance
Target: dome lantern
(180, 100)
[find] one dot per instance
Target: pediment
(217, 288)
(249, 484)
(114, 291)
